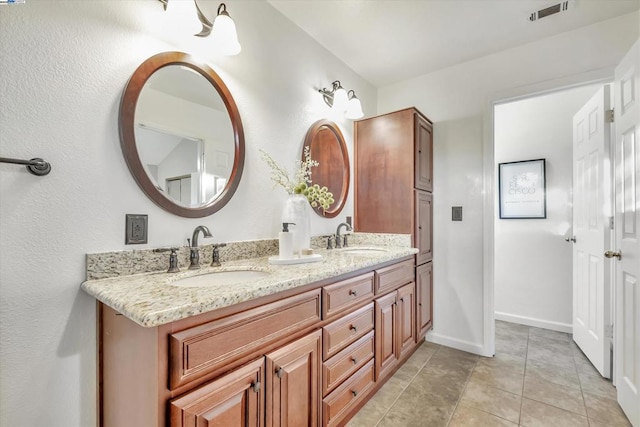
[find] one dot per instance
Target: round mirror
(327, 147)
(181, 135)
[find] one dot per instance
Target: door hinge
(609, 116)
(611, 223)
(608, 331)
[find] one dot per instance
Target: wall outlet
(136, 229)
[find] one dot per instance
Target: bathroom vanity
(296, 345)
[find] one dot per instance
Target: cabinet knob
(354, 360)
(355, 393)
(353, 328)
(402, 299)
(279, 372)
(419, 304)
(255, 386)
(353, 293)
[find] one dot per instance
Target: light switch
(136, 229)
(456, 213)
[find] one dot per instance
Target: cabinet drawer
(394, 276)
(348, 293)
(345, 363)
(347, 329)
(205, 348)
(336, 406)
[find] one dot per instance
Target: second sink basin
(363, 251)
(218, 278)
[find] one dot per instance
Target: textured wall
(63, 66)
(533, 264)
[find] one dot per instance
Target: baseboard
(538, 323)
(448, 341)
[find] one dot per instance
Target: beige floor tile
(492, 400)
(583, 366)
(536, 414)
(499, 377)
(547, 333)
(562, 397)
(552, 356)
(605, 410)
(515, 347)
(414, 407)
(504, 361)
(558, 347)
(562, 375)
(470, 417)
(596, 384)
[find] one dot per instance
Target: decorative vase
(296, 210)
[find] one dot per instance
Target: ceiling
(386, 41)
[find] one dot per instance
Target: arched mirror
(181, 135)
(327, 147)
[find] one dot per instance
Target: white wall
(63, 66)
(460, 97)
(533, 263)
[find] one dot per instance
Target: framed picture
(522, 189)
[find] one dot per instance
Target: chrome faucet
(193, 246)
(344, 242)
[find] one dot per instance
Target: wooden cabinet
(424, 296)
(236, 399)
(293, 383)
(424, 226)
(386, 334)
(406, 300)
(423, 153)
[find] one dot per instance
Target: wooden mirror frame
(128, 140)
(340, 199)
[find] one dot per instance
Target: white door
(627, 211)
(591, 179)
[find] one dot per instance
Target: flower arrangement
(299, 180)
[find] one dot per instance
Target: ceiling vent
(551, 10)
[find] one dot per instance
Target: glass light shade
(340, 100)
(225, 36)
(354, 109)
(185, 16)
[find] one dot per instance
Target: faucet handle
(173, 258)
(215, 258)
(330, 241)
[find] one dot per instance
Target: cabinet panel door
(423, 154)
(386, 339)
(236, 399)
(294, 387)
(424, 225)
(406, 318)
(424, 291)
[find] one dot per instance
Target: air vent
(551, 10)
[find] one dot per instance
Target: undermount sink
(217, 278)
(363, 251)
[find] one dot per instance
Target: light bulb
(224, 35)
(354, 108)
(185, 16)
(340, 100)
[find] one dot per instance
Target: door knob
(572, 239)
(613, 254)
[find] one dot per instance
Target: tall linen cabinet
(393, 191)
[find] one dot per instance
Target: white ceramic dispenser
(285, 241)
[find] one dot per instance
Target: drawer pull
(355, 393)
(353, 328)
(255, 386)
(279, 372)
(354, 360)
(353, 293)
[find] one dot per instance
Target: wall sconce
(223, 29)
(341, 101)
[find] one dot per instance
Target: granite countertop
(151, 300)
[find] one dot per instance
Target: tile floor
(538, 378)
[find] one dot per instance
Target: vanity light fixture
(223, 29)
(340, 100)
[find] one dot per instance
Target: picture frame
(522, 191)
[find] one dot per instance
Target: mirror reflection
(327, 146)
(184, 136)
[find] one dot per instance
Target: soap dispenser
(285, 241)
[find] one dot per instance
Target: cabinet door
(423, 154)
(386, 338)
(424, 291)
(424, 225)
(294, 386)
(236, 399)
(406, 318)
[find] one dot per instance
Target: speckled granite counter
(151, 300)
